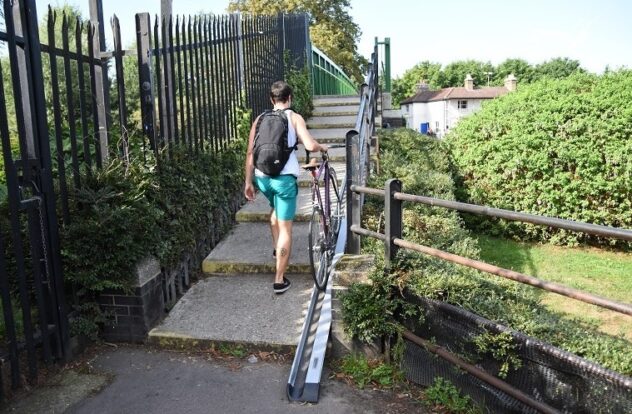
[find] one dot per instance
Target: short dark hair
(280, 91)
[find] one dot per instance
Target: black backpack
(270, 149)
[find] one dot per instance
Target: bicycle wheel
(335, 201)
(317, 249)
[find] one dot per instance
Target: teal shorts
(281, 192)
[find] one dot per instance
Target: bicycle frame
(317, 198)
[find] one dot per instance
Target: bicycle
(325, 220)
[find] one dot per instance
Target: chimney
(469, 82)
(422, 86)
(511, 83)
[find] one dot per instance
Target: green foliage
(236, 351)
(406, 86)
(423, 166)
(559, 148)
(520, 68)
(502, 348)
(332, 29)
(128, 211)
(453, 74)
(113, 224)
(368, 309)
(442, 392)
(558, 68)
(299, 80)
(363, 371)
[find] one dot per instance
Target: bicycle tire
(317, 249)
(335, 208)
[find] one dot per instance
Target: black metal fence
(68, 106)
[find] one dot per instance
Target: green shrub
(422, 164)
(443, 393)
(559, 148)
(299, 80)
(363, 371)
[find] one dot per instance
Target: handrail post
(353, 200)
(393, 219)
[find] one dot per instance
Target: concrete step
(335, 154)
(239, 309)
(329, 133)
(344, 110)
(336, 100)
(305, 180)
(248, 249)
(332, 121)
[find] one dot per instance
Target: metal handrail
(393, 241)
(358, 150)
(329, 78)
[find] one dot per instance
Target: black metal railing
(68, 106)
(358, 144)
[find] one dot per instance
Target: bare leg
(283, 248)
(274, 228)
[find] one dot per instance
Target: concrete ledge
(172, 341)
(332, 125)
(238, 310)
(216, 268)
(327, 112)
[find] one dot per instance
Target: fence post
(143, 43)
(353, 200)
(393, 219)
(167, 83)
(27, 113)
(240, 54)
(282, 47)
(99, 81)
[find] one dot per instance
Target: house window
(462, 104)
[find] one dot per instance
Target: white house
(438, 111)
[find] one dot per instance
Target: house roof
(423, 96)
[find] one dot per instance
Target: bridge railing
(328, 78)
(358, 144)
(392, 238)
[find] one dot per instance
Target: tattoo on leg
(283, 251)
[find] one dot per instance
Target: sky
(595, 32)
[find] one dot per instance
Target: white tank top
(291, 167)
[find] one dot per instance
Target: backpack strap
(295, 146)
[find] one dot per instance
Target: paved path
(143, 380)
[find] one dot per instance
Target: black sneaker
(281, 287)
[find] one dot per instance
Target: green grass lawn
(605, 273)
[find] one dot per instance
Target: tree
(406, 86)
(558, 68)
(522, 70)
(331, 27)
(454, 74)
